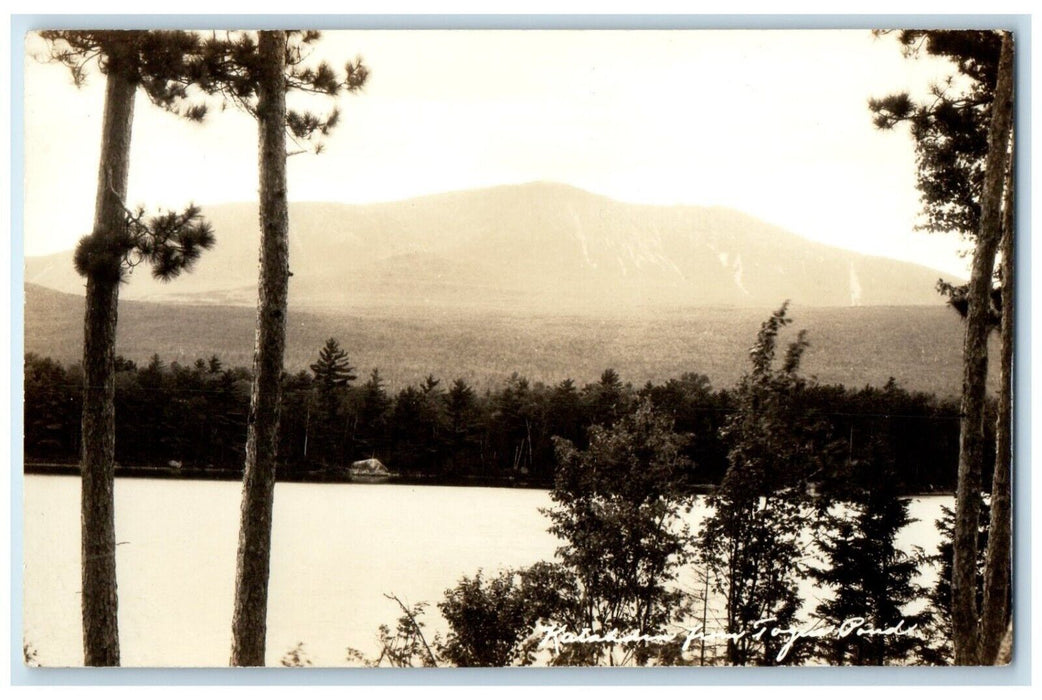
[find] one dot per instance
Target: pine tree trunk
(249, 624)
(995, 612)
(975, 368)
(97, 514)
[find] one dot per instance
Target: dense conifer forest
(446, 431)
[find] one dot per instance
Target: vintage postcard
(518, 348)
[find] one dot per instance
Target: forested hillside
(918, 346)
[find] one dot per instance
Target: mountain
(539, 247)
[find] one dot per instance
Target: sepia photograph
(583, 347)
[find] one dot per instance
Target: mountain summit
(539, 247)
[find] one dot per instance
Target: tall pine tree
(255, 73)
(964, 142)
(163, 65)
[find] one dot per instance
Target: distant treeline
(196, 415)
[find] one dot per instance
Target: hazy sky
(773, 123)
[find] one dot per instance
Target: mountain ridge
(540, 247)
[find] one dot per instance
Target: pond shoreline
(312, 477)
(327, 477)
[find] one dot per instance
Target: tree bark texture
(975, 366)
(249, 624)
(998, 566)
(97, 513)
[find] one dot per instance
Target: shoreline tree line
(195, 415)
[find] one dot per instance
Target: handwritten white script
(556, 636)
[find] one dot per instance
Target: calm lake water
(336, 550)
